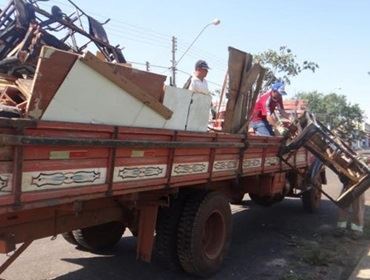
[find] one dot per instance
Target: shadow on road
(264, 246)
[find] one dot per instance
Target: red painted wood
(63, 193)
(51, 72)
(37, 158)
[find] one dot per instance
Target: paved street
(262, 248)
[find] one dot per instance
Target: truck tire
(204, 233)
(311, 199)
(166, 234)
(100, 237)
(69, 237)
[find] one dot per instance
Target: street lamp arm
(214, 22)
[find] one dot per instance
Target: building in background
(364, 142)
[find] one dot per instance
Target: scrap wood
(6, 100)
(247, 91)
(127, 85)
(252, 100)
(22, 106)
(101, 56)
(223, 90)
(236, 65)
(11, 95)
(6, 80)
(151, 83)
(239, 110)
(25, 87)
(5, 83)
(52, 68)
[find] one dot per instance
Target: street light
(216, 21)
(174, 62)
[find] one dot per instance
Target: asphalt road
(260, 248)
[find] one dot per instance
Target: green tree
(282, 65)
(336, 113)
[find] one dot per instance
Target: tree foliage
(336, 113)
(282, 65)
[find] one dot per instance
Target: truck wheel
(68, 236)
(311, 199)
(166, 234)
(100, 237)
(204, 233)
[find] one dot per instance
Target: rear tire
(204, 233)
(100, 237)
(166, 234)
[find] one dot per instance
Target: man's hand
(282, 130)
(285, 114)
(271, 120)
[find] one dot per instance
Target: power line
(116, 20)
(133, 33)
(151, 65)
(203, 52)
(142, 33)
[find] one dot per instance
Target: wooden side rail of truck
(91, 182)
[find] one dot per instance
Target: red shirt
(265, 106)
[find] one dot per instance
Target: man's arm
(267, 112)
(271, 119)
(282, 110)
(284, 114)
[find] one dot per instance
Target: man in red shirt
(263, 117)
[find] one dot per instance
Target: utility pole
(173, 67)
(147, 65)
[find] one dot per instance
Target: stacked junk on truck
(91, 147)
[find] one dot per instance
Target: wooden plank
(6, 81)
(256, 92)
(109, 72)
(235, 68)
(247, 91)
(52, 68)
(223, 89)
(11, 95)
(251, 102)
(25, 87)
(242, 95)
(150, 83)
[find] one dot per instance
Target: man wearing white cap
(198, 82)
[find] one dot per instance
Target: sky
(333, 33)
